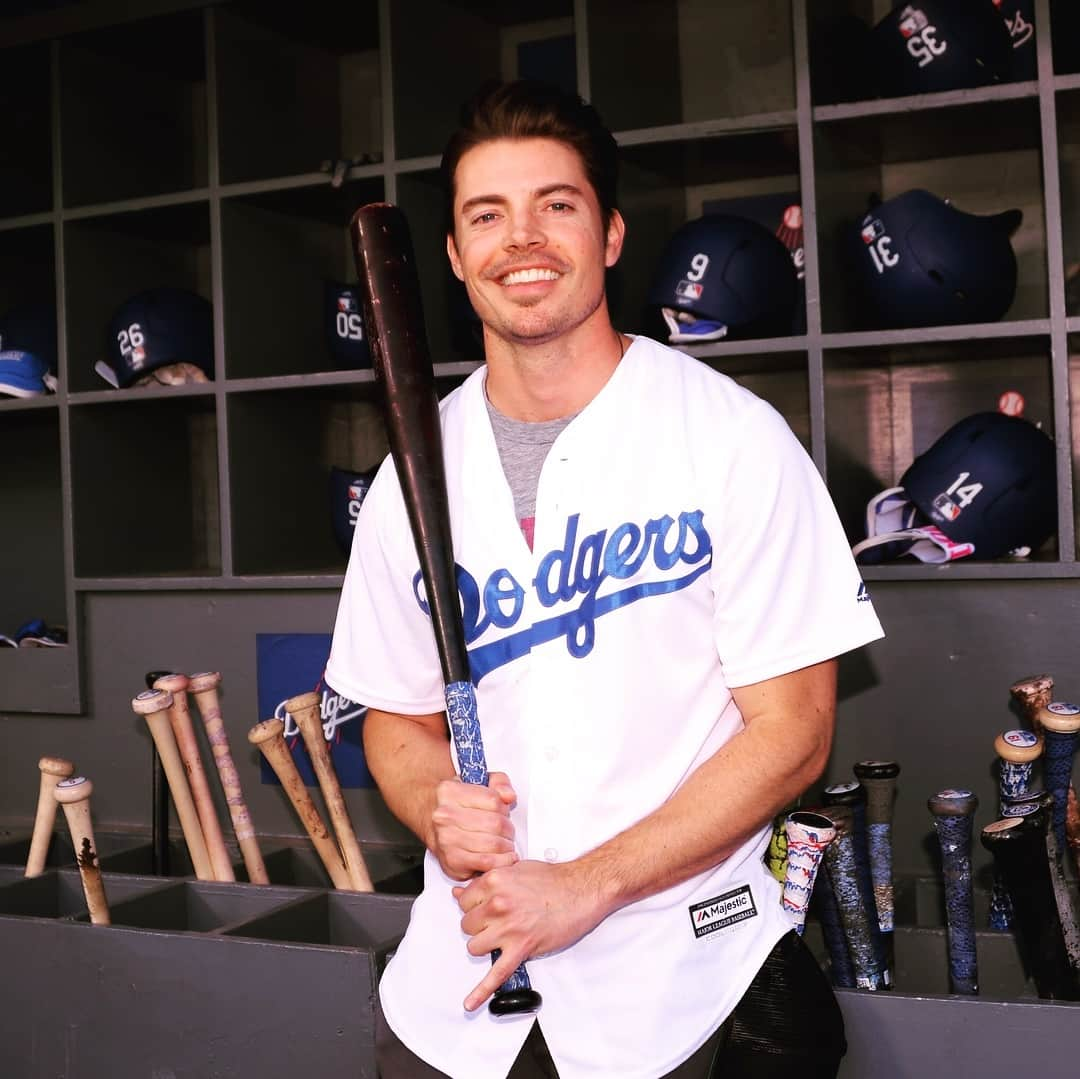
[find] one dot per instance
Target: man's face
(529, 240)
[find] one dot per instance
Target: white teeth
(521, 277)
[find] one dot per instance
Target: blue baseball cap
(28, 350)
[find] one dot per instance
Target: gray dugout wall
(933, 694)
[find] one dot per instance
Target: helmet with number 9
(919, 261)
(158, 328)
(988, 480)
(933, 45)
(724, 276)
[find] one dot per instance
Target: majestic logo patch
(725, 910)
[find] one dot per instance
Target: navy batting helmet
(920, 261)
(348, 489)
(344, 325)
(155, 329)
(933, 45)
(986, 487)
(725, 276)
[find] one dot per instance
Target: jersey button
(551, 855)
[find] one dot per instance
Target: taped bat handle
(516, 995)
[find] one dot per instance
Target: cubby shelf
(224, 186)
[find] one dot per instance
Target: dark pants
(787, 1023)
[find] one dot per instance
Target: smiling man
(654, 586)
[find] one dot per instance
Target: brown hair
(526, 109)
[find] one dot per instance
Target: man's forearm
(408, 757)
(730, 797)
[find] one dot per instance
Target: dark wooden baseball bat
(878, 779)
(393, 316)
(859, 920)
(853, 795)
(952, 811)
(1060, 722)
(1017, 751)
(1018, 845)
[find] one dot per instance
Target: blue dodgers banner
(288, 664)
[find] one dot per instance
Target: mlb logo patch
(872, 231)
(346, 303)
(947, 507)
(912, 20)
(689, 291)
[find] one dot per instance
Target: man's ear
(452, 254)
(616, 233)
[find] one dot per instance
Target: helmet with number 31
(724, 276)
(919, 261)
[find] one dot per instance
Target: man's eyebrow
(501, 200)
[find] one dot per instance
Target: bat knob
(515, 1002)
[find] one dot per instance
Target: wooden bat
(1017, 751)
(268, 736)
(1060, 723)
(853, 795)
(858, 920)
(952, 811)
(1040, 805)
(394, 320)
(204, 688)
(808, 834)
(153, 705)
(878, 779)
(306, 710)
(1034, 694)
(74, 795)
(1019, 850)
(53, 769)
(187, 744)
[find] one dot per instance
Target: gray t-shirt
(523, 446)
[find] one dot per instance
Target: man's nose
(524, 232)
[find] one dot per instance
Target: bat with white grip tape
(390, 291)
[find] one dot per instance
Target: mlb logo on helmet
(688, 291)
(156, 329)
(344, 326)
(872, 231)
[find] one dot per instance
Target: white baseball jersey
(684, 544)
